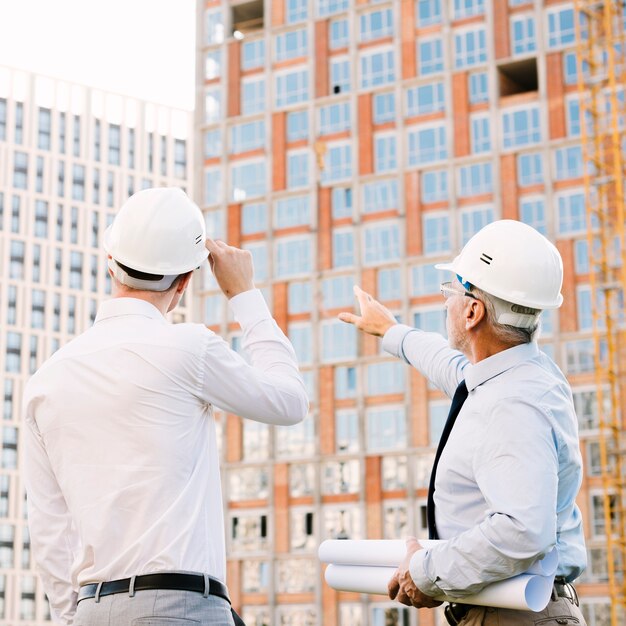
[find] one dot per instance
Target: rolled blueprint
(391, 552)
(526, 592)
(366, 566)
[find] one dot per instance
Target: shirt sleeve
(516, 470)
(53, 538)
(269, 388)
(429, 353)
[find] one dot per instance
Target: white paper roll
(525, 592)
(377, 552)
(391, 552)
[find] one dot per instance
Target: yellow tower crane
(601, 56)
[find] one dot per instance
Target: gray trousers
(154, 607)
(559, 611)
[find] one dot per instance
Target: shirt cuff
(393, 338)
(418, 569)
(249, 308)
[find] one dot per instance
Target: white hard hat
(514, 262)
(157, 231)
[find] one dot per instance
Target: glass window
(213, 26)
(434, 186)
(296, 10)
(41, 219)
(427, 144)
(254, 218)
(384, 378)
(561, 28)
(20, 170)
(478, 87)
(339, 75)
(252, 96)
(44, 130)
(480, 133)
(473, 220)
(523, 35)
(377, 68)
(297, 125)
(424, 99)
(212, 64)
(337, 163)
(291, 45)
(384, 106)
(247, 136)
(342, 202)
(334, 118)
(386, 428)
(341, 477)
(13, 357)
(248, 180)
(572, 114)
(343, 247)
(467, 8)
(568, 162)
(252, 54)
(19, 123)
(475, 179)
(376, 24)
(381, 242)
(532, 211)
(330, 7)
(425, 280)
(338, 34)
(293, 256)
(389, 284)
(429, 56)
(428, 12)
(347, 420)
(380, 195)
(432, 320)
(339, 341)
(78, 182)
(212, 112)
(470, 47)
(212, 143)
(337, 292)
(3, 119)
(529, 169)
(301, 337)
(521, 127)
(300, 298)
(385, 158)
(213, 191)
(259, 251)
(16, 259)
(436, 233)
(571, 213)
(292, 87)
(114, 144)
(292, 211)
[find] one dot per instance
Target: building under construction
(344, 142)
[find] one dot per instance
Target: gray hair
(506, 333)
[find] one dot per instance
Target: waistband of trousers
(198, 583)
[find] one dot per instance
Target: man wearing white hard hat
(508, 466)
(121, 457)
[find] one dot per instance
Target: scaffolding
(601, 70)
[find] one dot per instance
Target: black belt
(178, 582)
(455, 612)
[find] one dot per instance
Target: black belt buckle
(456, 612)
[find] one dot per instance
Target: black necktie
(460, 395)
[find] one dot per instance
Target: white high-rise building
(69, 156)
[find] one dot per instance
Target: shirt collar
(116, 307)
(478, 373)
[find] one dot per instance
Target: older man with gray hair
(508, 466)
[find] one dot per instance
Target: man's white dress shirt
(120, 452)
(508, 477)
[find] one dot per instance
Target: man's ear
(183, 282)
(474, 313)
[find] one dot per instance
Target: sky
(141, 48)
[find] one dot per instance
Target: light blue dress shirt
(508, 477)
